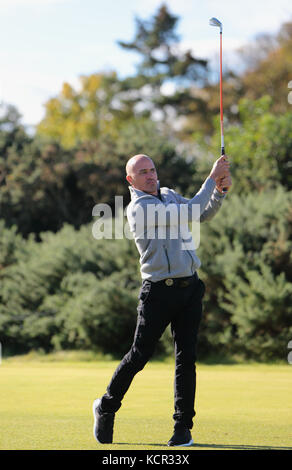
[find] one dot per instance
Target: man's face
(143, 175)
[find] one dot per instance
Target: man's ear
(129, 179)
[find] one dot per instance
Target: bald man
(171, 292)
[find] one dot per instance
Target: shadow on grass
(208, 446)
(140, 444)
(241, 447)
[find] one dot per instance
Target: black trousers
(161, 305)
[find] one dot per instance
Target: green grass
(45, 403)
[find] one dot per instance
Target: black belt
(179, 281)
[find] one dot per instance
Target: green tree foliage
(79, 115)
(270, 70)
(13, 136)
(47, 185)
(247, 265)
(104, 103)
(74, 292)
(259, 146)
(69, 291)
(41, 189)
(11, 245)
(162, 62)
(266, 70)
(64, 289)
(12, 132)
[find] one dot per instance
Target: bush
(246, 264)
(70, 290)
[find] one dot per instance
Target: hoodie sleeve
(200, 201)
(213, 206)
(209, 199)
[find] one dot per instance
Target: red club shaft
(221, 99)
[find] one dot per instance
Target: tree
(104, 103)
(47, 185)
(162, 63)
(259, 146)
(246, 261)
(72, 291)
(40, 191)
(265, 70)
(79, 115)
(69, 291)
(12, 136)
(271, 69)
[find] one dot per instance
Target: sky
(45, 43)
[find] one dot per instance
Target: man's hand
(220, 170)
(225, 183)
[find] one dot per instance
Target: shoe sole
(187, 444)
(94, 406)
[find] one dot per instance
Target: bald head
(141, 173)
(132, 163)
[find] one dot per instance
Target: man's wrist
(220, 192)
(213, 178)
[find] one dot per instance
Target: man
(171, 290)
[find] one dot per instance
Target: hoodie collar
(138, 193)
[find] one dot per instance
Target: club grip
(224, 190)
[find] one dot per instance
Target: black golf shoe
(103, 426)
(181, 437)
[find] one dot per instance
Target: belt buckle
(169, 282)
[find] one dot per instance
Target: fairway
(47, 405)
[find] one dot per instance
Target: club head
(215, 22)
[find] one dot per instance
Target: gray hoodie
(160, 227)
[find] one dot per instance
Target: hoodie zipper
(166, 254)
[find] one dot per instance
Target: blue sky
(47, 42)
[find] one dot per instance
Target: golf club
(215, 22)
